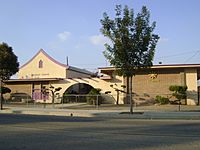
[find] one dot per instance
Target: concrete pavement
(107, 112)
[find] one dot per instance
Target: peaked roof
(58, 63)
(49, 57)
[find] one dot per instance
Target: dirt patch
(134, 113)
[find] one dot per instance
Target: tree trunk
(131, 99)
(52, 98)
(117, 97)
(127, 90)
(1, 97)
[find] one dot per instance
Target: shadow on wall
(193, 98)
(108, 99)
(140, 99)
(17, 97)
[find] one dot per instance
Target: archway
(76, 93)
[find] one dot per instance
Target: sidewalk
(59, 112)
(79, 110)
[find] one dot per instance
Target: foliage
(133, 43)
(161, 100)
(8, 62)
(179, 91)
(92, 97)
(5, 90)
(94, 91)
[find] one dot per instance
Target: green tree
(5, 90)
(180, 92)
(93, 95)
(53, 92)
(8, 65)
(132, 42)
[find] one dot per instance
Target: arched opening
(40, 65)
(76, 93)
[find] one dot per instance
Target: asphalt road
(27, 132)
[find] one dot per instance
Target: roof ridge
(48, 56)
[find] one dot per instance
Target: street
(30, 132)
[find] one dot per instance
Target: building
(149, 82)
(44, 66)
(44, 72)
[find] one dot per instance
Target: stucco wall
(191, 82)
(95, 83)
(49, 69)
(20, 88)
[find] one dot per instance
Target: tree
(8, 65)
(133, 42)
(94, 97)
(53, 92)
(117, 90)
(5, 90)
(179, 92)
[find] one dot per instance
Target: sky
(71, 28)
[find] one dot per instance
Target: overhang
(33, 80)
(109, 70)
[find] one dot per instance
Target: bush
(92, 97)
(161, 100)
(180, 92)
(177, 88)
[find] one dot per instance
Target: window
(40, 64)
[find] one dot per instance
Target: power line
(167, 57)
(191, 56)
(177, 54)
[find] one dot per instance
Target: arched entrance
(76, 93)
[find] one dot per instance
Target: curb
(51, 113)
(107, 114)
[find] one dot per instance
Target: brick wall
(149, 83)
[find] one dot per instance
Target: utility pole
(67, 61)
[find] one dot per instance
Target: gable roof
(58, 63)
(49, 57)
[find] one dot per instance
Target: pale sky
(71, 28)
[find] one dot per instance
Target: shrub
(179, 91)
(161, 100)
(92, 97)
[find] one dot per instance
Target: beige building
(44, 66)
(148, 83)
(42, 71)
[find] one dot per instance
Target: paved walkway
(109, 111)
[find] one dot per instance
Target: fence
(22, 99)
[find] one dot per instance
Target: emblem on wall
(153, 75)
